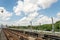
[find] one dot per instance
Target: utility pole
(40, 24)
(31, 25)
(59, 26)
(6, 26)
(52, 25)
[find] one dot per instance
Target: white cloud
(46, 3)
(45, 20)
(4, 15)
(58, 14)
(56, 19)
(31, 7)
(7, 22)
(26, 20)
(17, 9)
(36, 21)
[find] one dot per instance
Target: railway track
(9, 35)
(12, 34)
(18, 35)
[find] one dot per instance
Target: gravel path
(2, 36)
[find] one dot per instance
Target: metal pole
(40, 24)
(52, 25)
(31, 25)
(59, 26)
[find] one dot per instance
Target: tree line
(45, 27)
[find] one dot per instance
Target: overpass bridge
(26, 34)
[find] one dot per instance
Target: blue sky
(8, 4)
(49, 12)
(53, 10)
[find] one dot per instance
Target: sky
(25, 12)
